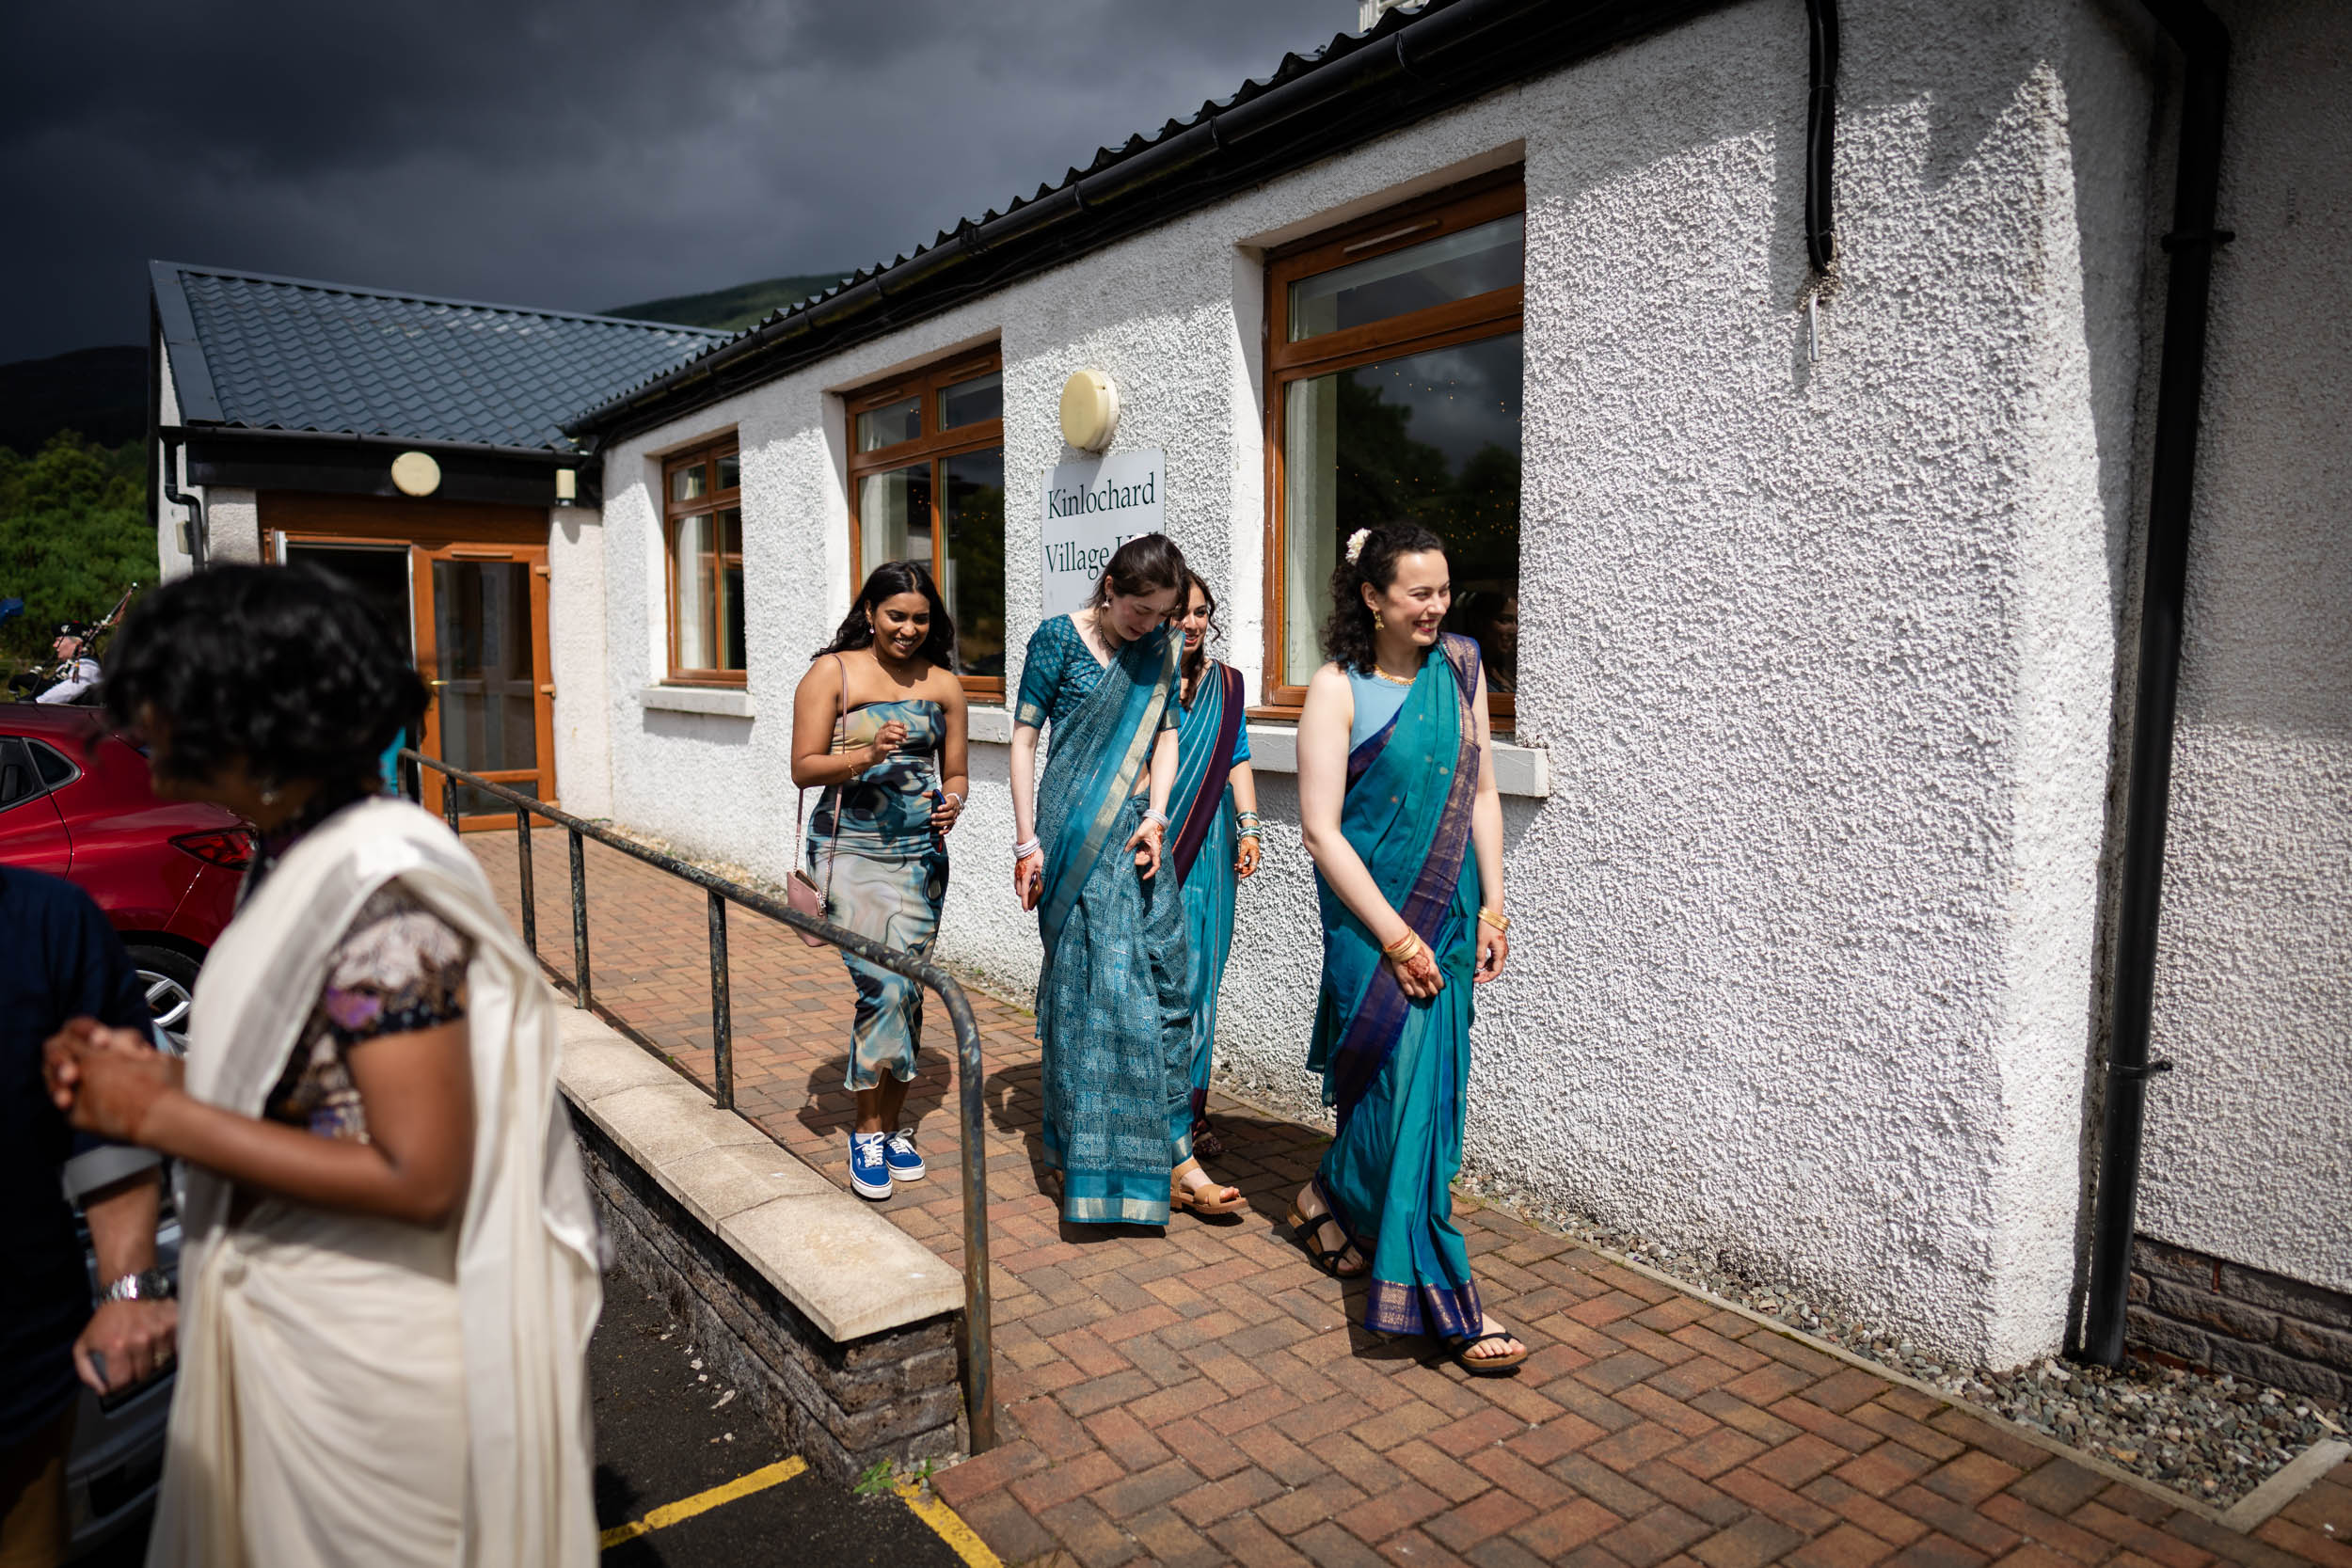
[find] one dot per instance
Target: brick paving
(1200, 1396)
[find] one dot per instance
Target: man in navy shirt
(59, 960)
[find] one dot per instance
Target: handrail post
(980, 1335)
(531, 899)
(579, 921)
(721, 1007)
(448, 803)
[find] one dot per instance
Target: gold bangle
(1403, 949)
(1496, 918)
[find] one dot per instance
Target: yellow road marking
(949, 1528)
(702, 1502)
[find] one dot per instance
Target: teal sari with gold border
(1396, 1068)
(1113, 1008)
(1203, 837)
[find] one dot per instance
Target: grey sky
(576, 155)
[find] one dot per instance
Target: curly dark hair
(286, 669)
(888, 581)
(1144, 565)
(1347, 635)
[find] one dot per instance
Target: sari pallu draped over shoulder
(1114, 1021)
(318, 1417)
(1210, 734)
(1394, 1067)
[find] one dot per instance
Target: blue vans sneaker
(905, 1163)
(869, 1169)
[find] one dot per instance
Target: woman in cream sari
(390, 1265)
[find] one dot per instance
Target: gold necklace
(1379, 673)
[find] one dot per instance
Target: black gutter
(260, 434)
(199, 537)
(1404, 70)
(2204, 46)
(1820, 131)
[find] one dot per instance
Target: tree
(73, 535)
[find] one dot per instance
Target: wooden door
(477, 609)
(481, 644)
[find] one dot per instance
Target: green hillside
(745, 305)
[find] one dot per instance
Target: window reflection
(970, 401)
(1459, 266)
(973, 579)
(890, 424)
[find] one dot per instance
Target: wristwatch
(146, 1285)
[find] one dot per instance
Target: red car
(165, 872)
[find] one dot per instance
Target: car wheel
(167, 976)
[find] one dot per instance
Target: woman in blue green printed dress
(879, 722)
(1213, 826)
(1398, 806)
(1114, 1004)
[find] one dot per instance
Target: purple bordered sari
(1394, 1067)
(1210, 741)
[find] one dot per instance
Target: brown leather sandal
(1485, 1365)
(1181, 1197)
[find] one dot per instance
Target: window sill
(721, 701)
(1521, 770)
(991, 724)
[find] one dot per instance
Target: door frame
(430, 532)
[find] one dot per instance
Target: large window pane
(1459, 266)
(1431, 438)
(970, 401)
(974, 578)
(691, 567)
(893, 515)
(731, 589)
(890, 424)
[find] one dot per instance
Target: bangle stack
(1496, 918)
(1153, 814)
(1250, 824)
(1022, 851)
(1405, 949)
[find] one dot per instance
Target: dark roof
(286, 353)
(1357, 87)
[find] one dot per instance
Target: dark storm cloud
(577, 156)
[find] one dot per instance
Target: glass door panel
(483, 676)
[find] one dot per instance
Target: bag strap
(799, 811)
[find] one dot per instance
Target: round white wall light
(415, 473)
(1089, 410)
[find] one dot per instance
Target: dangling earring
(1377, 624)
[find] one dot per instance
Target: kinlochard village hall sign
(1091, 509)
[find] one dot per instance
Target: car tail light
(232, 849)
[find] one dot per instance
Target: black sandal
(1309, 1234)
(1485, 1365)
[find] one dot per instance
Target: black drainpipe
(199, 540)
(2204, 46)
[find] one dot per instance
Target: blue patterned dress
(871, 847)
(1114, 1009)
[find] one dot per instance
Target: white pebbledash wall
(2249, 1138)
(1822, 655)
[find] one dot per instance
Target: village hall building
(1893, 458)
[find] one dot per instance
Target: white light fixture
(1089, 410)
(415, 473)
(567, 485)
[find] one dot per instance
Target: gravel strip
(2206, 1435)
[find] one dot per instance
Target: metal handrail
(979, 1381)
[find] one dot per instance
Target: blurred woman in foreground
(390, 1266)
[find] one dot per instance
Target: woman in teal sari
(1213, 820)
(1398, 805)
(1114, 1009)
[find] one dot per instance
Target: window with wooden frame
(703, 550)
(927, 482)
(1393, 369)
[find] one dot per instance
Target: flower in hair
(1356, 544)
